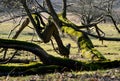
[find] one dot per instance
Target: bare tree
(91, 11)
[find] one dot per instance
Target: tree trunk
(83, 41)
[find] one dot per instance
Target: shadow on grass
(38, 68)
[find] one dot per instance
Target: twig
(54, 46)
(7, 77)
(15, 27)
(13, 18)
(41, 7)
(9, 58)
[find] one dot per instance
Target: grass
(99, 75)
(110, 49)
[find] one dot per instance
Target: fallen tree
(47, 59)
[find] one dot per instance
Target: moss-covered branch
(43, 55)
(83, 41)
(22, 45)
(51, 61)
(38, 51)
(38, 68)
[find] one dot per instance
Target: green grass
(111, 51)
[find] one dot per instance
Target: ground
(99, 75)
(110, 49)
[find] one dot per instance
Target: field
(110, 49)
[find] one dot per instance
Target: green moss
(38, 68)
(71, 31)
(26, 69)
(86, 46)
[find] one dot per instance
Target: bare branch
(53, 14)
(42, 8)
(114, 22)
(14, 28)
(13, 18)
(24, 24)
(8, 60)
(64, 8)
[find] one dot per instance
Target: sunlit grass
(110, 49)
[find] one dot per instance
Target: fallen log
(38, 68)
(48, 59)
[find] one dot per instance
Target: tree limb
(64, 8)
(38, 51)
(77, 28)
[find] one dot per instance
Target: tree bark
(38, 51)
(21, 45)
(53, 14)
(64, 8)
(24, 24)
(46, 34)
(84, 43)
(51, 60)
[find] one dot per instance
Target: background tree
(91, 11)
